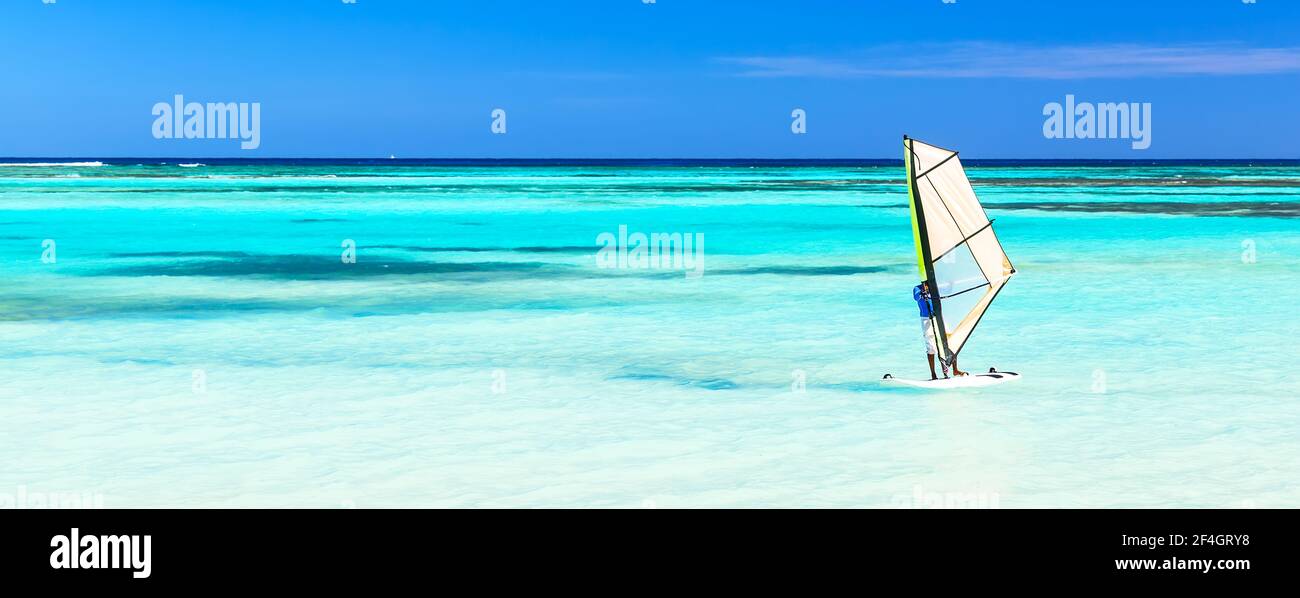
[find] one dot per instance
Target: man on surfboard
(921, 294)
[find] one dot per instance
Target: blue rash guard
(922, 301)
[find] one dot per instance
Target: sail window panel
(960, 283)
(957, 272)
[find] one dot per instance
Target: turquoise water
(197, 339)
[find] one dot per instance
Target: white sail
(957, 251)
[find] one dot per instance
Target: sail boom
(978, 286)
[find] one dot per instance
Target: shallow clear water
(197, 339)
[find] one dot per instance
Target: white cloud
(987, 59)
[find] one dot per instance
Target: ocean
(423, 333)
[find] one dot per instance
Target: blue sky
(677, 78)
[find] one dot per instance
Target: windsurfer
(921, 294)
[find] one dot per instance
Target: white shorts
(927, 331)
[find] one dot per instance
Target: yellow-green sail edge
(911, 205)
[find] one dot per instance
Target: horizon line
(572, 159)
